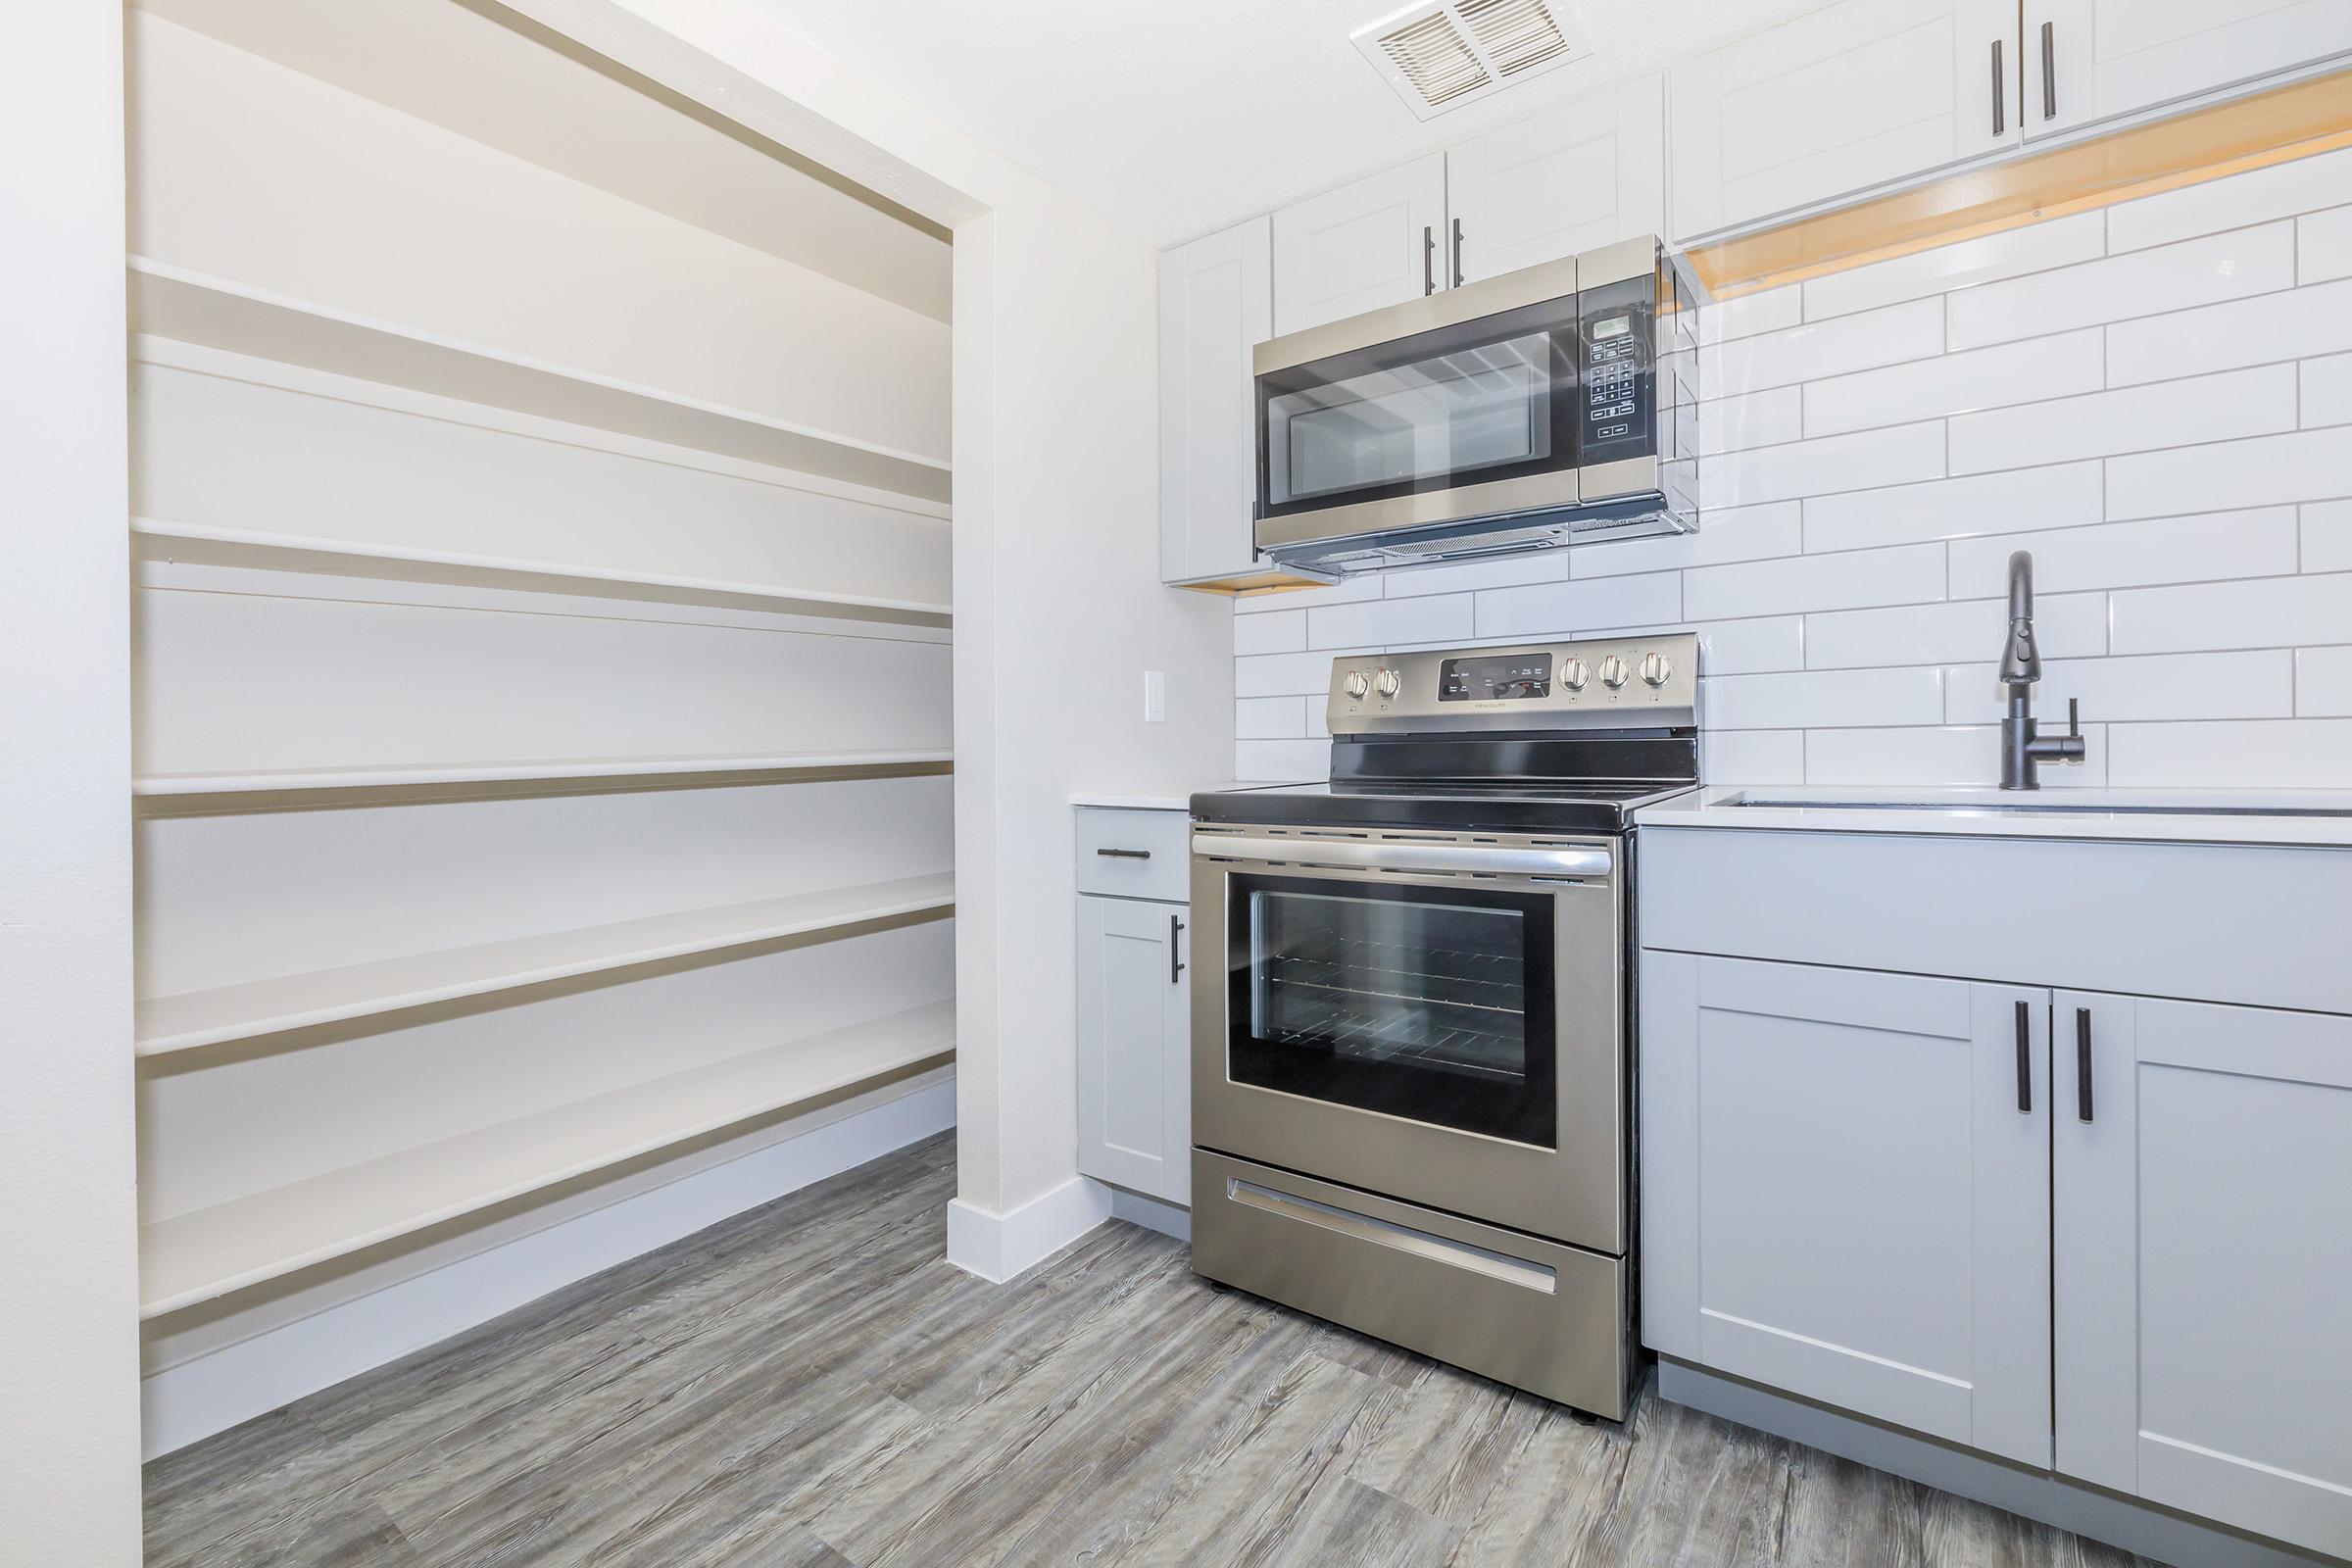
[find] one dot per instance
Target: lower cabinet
(1134, 1124)
(2103, 1235)
(2203, 1162)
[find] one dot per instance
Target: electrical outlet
(1155, 697)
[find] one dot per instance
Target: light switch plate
(1155, 697)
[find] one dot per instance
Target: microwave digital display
(1502, 677)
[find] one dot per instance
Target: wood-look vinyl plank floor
(811, 1385)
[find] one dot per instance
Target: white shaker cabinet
(1567, 179)
(2204, 1259)
(1860, 94)
(1846, 1190)
(1135, 1123)
(1378, 241)
(2092, 60)
(1216, 305)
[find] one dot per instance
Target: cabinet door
(1380, 241)
(2093, 60)
(1584, 175)
(1217, 303)
(1134, 1124)
(1865, 93)
(1845, 1190)
(2204, 1260)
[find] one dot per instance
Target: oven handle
(1472, 859)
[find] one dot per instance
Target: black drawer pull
(1175, 946)
(1126, 855)
(2083, 1063)
(2000, 125)
(2025, 1060)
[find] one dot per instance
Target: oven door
(1462, 419)
(1433, 1018)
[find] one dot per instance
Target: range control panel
(1596, 683)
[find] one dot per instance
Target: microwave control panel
(1617, 380)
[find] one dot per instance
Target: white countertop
(2159, 815)
(1164, 803)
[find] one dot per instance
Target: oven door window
(1491, 399)
(1432, 1004)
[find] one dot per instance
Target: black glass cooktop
(1503, 806)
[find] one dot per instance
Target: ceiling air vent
(1442, 56)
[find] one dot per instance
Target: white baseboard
(217, 1389)
(1002, 1247)
(1151, 1214)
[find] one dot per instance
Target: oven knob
(1357, 685)
(1574, 674)
(1388, 683)
(1613, 673)
(1656, 669)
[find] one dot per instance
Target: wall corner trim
(1000, 1248)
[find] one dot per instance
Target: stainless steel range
(1411, 1074)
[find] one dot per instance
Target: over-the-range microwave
(1518, 413)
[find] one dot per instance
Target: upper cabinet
(1860, 94)
(1215, 305)
(1569, 179)
(1380, 241)
(2088, 61)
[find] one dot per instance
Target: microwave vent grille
(1441, 54)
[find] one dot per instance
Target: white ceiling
(1179, 117)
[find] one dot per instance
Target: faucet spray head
(2021, 661)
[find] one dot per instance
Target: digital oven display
(1500, 679)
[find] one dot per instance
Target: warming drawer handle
(1474, 859)
(1398, 1238)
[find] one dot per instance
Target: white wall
(1058, 608)
(68, 1369)
(2156, 400)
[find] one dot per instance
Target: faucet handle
(2073, 718)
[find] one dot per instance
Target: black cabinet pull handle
(1429, 259)
(2000, 122)
(1175, 963)
(1457, 253)
(2025, 1060)
(1126, 855)
(2049, 70)
(2083, 1063)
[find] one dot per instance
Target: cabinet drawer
(1134, 854)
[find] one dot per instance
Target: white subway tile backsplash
(1731, 533)
(2140, 419)
(1866, 459)
(2266, 470)
(1577, 609)
(2114, 691)
(1910, 574)
(1747, 314)
(1955, 383)
(1754, 419)
(1951, 509)
(1752, 756)
(2169, 278)
(2060, 242)
(2274, 754)
(1377, 622)
(2282, 190)
(2065, 625)
(2258, 613)
(2153, 400)
(2327, 395)
(2323, 245)
(2258, 332)
(1825, 348)
(1825, 698)
(1948, 754)
(2324, 683)
(1284, 632)
(2328, 536)
(1270, 718)
(2133, 555)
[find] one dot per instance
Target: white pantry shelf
(192, 306)
(196, 794)
(154, 539)
(191, 1019)
(194, 1257)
